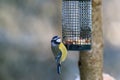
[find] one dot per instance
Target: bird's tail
(59, 68)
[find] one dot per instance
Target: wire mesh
(77, 24)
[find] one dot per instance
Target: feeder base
(78, 47)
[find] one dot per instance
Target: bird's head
(56, 40)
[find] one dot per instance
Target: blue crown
(55, 37)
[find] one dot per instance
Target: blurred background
(26, 28)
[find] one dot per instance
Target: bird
(59, 51)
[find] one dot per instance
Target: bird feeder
(77, 24)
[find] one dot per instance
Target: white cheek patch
(58, 40)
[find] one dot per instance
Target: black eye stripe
(57, 42)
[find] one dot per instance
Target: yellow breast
(64, 52)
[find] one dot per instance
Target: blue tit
(59, 51)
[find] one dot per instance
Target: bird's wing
(57, 53)
(57, 58)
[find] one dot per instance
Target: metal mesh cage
(77, 24)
